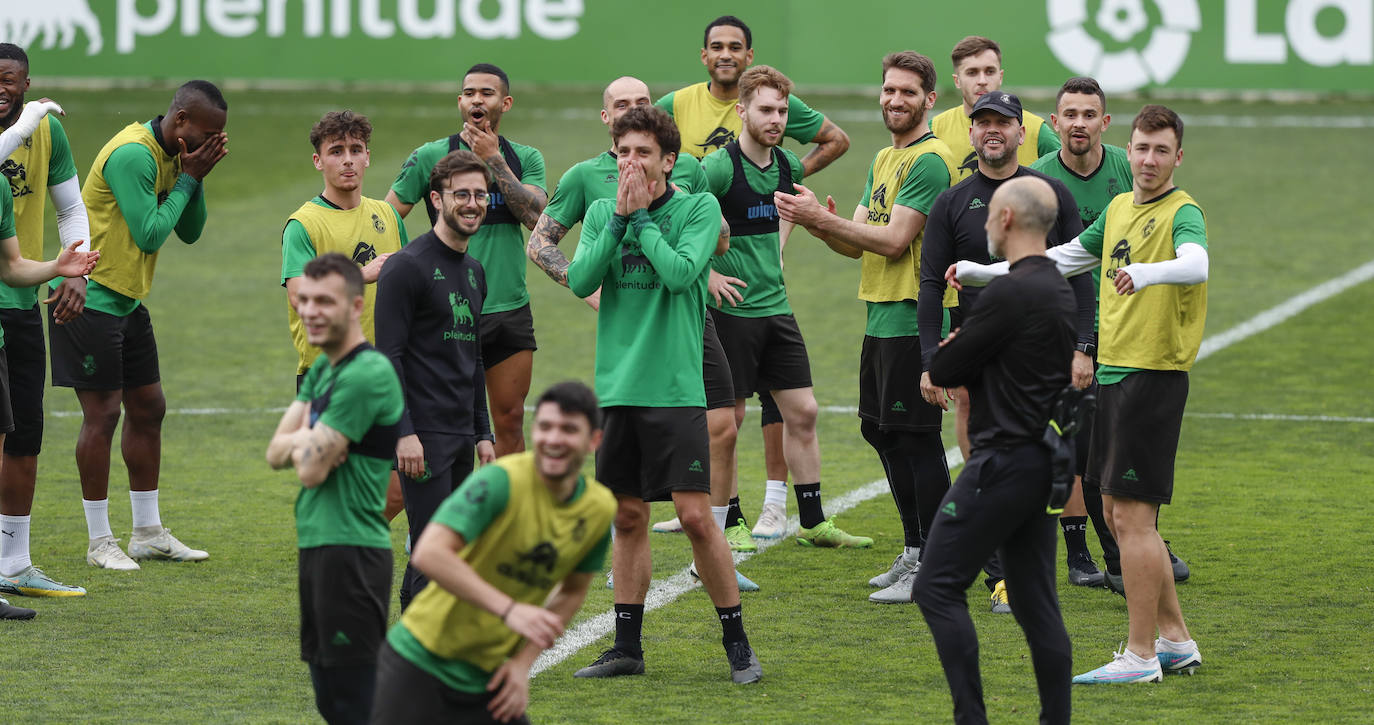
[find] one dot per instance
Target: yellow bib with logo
(705, 122)
(1159, 327)
(123, 267)
(953, 128)
(27, 169)
(361, 234)
(883, 279)
(525, 552)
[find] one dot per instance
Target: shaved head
(1032, 203)
(621, 87)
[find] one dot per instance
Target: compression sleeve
(27, 123)
(132, 175)
(1071, 259)
(1190, 267)
(72, 225)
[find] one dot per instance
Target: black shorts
(653, 452)
(6, 415)
(99, 351)
(28, 375)
(505, 333)
(408, 695)
(345, 591)
(890, 386)
(715, 370)
(1135, 435)
(765, 353)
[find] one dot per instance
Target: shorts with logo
(99, 351)
(28, 374)
(505, 333)
(765, 353)
(653, 452)
(715, 369)
(1135, 435)
(345, 592)
(890, 386)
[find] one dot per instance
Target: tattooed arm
(525, 201)
(543, 249)
(313, 451)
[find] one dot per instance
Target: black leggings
(916, 473)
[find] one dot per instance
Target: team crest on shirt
(472, 279)
(378, 225)
(533, 567)
(579, 531)
(1149, 227)
(18, 177)
(718, 138)
(1121, 256)
(364, 253)
(1113, 186)
(665, 224)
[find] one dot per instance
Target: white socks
(1181, 648)
(144, 504)
(145, 509)
(97, 518)
(775, 493)
(14, 545)
(1139, 661)
(720, 512)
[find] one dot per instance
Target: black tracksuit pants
(997, 505)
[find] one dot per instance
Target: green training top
(500, 247)
(1093, 192)
(598, 177)
(927, 180)
(756, 259)
(360, 398)
(6, 228)
(651, 268)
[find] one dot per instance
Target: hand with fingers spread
(71, 263)
(200, 162)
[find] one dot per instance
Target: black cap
(1001, 102)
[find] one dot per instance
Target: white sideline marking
(1280, 416)
(665, 591)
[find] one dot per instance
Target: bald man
(1013, 352)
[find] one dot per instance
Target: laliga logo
(53, 20)
(1129, 68)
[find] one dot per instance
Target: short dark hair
(653, 121)
(457, 162)
(1155, 117)
(335, 263)
(1084, 85)
(192, 91)
(731, 21)
(971, 46)
(910, 60)
(490, 69)
(10, 51)
(341, 125)
(573, 397)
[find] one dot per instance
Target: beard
(453, 219)
(912, 121)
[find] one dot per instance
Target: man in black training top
(429, 309)
(1013, 352)
(956, 231)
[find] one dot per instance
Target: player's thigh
(26, 356)
(675, 450)
(738, 344)
(717, 376)
(506, 333)
(140, 363)
(88, 351)
(784, 363)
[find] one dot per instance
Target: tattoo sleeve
(543, 249)
(523, 202)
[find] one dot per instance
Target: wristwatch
(1087, 348)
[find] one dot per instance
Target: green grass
(1268, 513)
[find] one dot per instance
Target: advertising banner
(1163, 45)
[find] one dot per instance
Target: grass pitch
(1271, 514)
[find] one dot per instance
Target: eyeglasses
(463, 196)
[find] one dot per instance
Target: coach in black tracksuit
(1013, 352)
(428, 310)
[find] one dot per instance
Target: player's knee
(697, 524)
(721, 427)
(631, 520)
(800, 415)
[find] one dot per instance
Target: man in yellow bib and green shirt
(1154, 306)
(885, 234)
(340, 219)
(339, 435)
(40, 166)
(146, 183)
(526, 526)
(515, 199)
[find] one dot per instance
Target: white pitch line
(667, 590)
(1283, 417)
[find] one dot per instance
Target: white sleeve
(1072, 258)
(1190, 267)
(72, 225)
(34, 111)
(974, 274)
